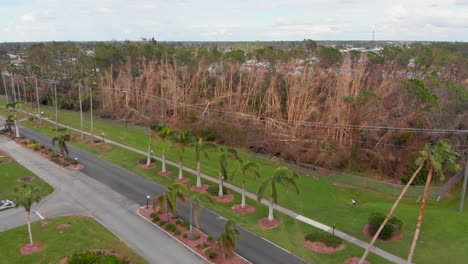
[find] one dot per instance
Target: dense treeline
(307, 103)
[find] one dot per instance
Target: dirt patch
(355, 260)
(26, 179)
(227, 198)
(395, 237)
(62, 261)
(202, 189)
(264, 223)
(28, 249)
(321, 247)
(63, 226)
(76, 167)
(145, 167)
(46, 223)
(248, 209)
(167, 173)
(183, 180)
(104, 148)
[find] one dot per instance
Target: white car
(4, 204)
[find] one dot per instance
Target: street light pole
(76, 162)
(147, 201)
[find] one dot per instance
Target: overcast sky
(217, 20)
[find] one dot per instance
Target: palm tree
(200, 148)
(440, 158)
(12, 107)
(195, 204)
(282, 176)
(168, 200)
(79, 71)
(246, 168)
(392, 210)
(25, 196)
(36, 71)
(10, 121)
(181, 141)
(228, 238)
(92, 82)
(224, 154)
(164, 133)
(4, 66)
(61, 144)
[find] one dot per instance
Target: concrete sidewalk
(77, 193)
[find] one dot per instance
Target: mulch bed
(167, 173)
(266, 224)
(46, 223)
(183, 180)
(95, 144)
(28, 249)
(355, 260)
(76, 167)
(227, 198)
(195, 245)
(63, 226)
(202, 189)
(321, 247)
(248, 209)
(395, 237)
(26, 179)
(144, 167)
(104, 148)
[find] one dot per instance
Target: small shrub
(328, 239)
(199, 246)
(170, 227)
(212, 255)
(214, 189)
(183, 224)
(185, 236)
(145, 159)
(177, 232)
(210, 239)
(194, 237)
(153, 215)
(393, 225)
(162, 223)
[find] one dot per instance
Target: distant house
(411, 63)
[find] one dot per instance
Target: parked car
(4, 204)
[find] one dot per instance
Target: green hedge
(324, 237)
(393, 225)
(93, 257)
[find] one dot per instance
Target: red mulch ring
(394, 238)
(248, 209)
(167, 173)
(355, 260)
(144, 167)
(192, 244)
(63, 226)
(28, 249)
(320, 247)
(63, 261)
(227, 198)
(76, 167)
(183, 180)
(264, 223)
(96, 144)
(46, 223)
(104, 148)
(202, 189)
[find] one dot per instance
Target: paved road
(77, 193)
(135, 188)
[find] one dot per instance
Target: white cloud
(235, 20)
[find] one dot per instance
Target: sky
(233, 20)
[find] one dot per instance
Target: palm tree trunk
(6, 89)
(389, 215)
(180, 169)
(191, 228)
(270, 211)
(38, 103)
(29, 227)
(56, 108)
(163, 170)
(91, 110)
(12, 84)
(220, 192)
(243, 196)
(148, 160)
(17, 129)
(421, 213)
(198, 175)
(24, 92)
(81, 112)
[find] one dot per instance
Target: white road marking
(40, 216)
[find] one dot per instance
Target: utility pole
(465, 181)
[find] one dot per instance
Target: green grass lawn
(10, 172)
(440, 240)
(84, 233)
